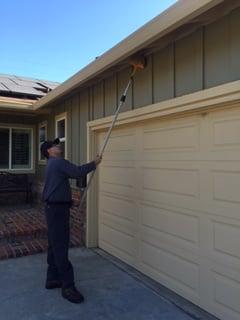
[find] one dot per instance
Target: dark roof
(22, 87)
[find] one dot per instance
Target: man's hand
(98, 160)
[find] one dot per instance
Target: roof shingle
(15, 86)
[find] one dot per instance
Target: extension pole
(121, 102)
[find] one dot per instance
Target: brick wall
(12, 198)
(78, 218)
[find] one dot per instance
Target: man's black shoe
(72, 295)
(52, 284)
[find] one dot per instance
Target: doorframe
(199, 102)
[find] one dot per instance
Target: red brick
(29, 227)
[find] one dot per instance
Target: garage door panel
(184, 272)
(226, 295)
(222, 189)
(171, 138)
(226, 239)
(121, 208)
(118, 190)
(216, 192)
(115, 251)
(121, 142)
(176, 246)
(120, 147)
(169, 282)
(170, 181)
(118, 175)
(126, 157)
(117, 180)
(226, 186)
(118, 224)
(115, 190)
(174, 199)
(193, 157)
(225, 132)
(172, 223)
(123, 241)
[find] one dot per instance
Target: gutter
(16, 104)
(170, 19)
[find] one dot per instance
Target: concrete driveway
(110, 292)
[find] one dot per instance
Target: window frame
(32, 157)
(41, 125)
(58, 118)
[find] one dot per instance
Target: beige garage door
(169, 205)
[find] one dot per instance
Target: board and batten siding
(16, 119)
(205, 58)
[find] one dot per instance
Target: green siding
(163, 74)
(98, 99)
(110, 92)
(68, 109)
(84, 117)
(207, 57)
(60, 108)
(142, 88)
(235, 44)
(122, 80)
(216, 68)
(74, 137)
(189, 64)
(13, 119)
(222, 50)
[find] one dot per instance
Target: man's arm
(72, 171)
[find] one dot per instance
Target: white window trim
(10, 127)
(59, 117)
(41, 125)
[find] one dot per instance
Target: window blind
(20, 148)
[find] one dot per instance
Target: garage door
(169, 205)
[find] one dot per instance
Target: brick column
(78, 218)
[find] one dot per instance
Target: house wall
(205, 58)
(16, 119)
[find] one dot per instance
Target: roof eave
(172, 18)
(16, 104)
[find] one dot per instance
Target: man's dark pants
(59, 266)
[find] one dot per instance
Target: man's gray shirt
(58, 171)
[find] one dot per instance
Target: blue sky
(53, 39)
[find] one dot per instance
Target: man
(58, 198)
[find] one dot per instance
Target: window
(15, 148)
(42, 136)
(4, 148)
(21, 148)
(61, 131)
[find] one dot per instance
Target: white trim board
(59, 117)
(41, 125)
